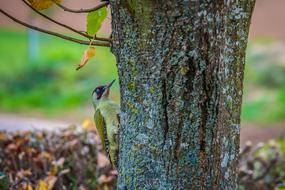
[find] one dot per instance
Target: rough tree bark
(180, 67)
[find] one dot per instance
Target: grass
(51, 85)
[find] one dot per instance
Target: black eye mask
(99, 91)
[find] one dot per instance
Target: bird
(106, 119)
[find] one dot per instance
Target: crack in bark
(206, 88)
(165, 114)
(177, 149)
(164, 89)
(202, 129)
(202, 154)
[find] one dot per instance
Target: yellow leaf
(88, 54)
(26, 186)
(88, 125)
(42, 185)
(46, 155)
(53, 171)
(2, 136)
(42, 4)
(30, 150)
(24, 173)
(50, 181)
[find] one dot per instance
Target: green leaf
(95, 19)
(132, 4)
(4, 181)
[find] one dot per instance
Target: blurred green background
(50, 85)
(264, 84)
(38, 76)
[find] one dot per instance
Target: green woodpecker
(107, 121)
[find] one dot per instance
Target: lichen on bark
(180, 67)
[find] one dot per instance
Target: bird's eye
(97, 90)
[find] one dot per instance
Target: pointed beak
(111, 83)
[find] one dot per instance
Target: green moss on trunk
(181, 66)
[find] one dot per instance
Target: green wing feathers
(107, 123)
(101, 127)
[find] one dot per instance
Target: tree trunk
(180, 67)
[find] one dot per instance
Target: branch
(96, 43)
(65, 26)
(81, 10)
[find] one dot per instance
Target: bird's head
(102, 92)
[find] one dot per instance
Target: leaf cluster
(51, 160)
(262, 167)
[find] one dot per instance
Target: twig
(102, 39)
(268, 168)
(81, 10)
(96, 43)
(65, 26)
